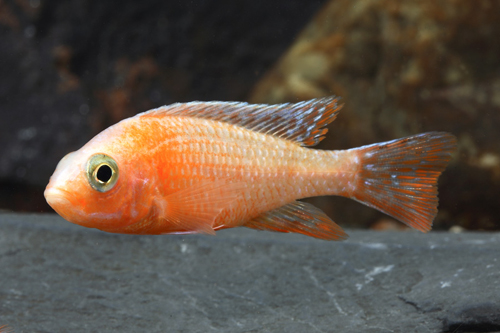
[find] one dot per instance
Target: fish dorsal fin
(299, 217)
(304, 122)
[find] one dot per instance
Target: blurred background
(69, 69)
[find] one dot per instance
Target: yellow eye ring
(102, 172)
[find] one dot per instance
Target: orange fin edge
(6, 329)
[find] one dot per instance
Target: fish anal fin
(299, 217)
(195, 208)
(304, 122)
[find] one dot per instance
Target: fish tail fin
(399, 177)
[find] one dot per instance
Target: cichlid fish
(204, 166)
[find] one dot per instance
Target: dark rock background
(69, 69)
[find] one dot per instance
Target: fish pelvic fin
(304, 122)
(399, 177)
(299, 217)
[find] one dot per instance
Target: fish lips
(56, 197)
(60, 201)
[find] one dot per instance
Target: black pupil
(104, 173)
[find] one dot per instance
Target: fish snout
(57, 191)
(61, 201)
(56, 198)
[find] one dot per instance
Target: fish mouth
(56, 198)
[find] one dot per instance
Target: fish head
(97, 187)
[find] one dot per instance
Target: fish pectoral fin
(194, 209)
(299, 217)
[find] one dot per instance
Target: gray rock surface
(59, 277)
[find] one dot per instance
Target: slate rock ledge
(57, 277)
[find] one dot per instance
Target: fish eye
(102, 172)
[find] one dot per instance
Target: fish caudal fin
(399, 177)
(299, 217)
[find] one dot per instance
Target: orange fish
(204, 166)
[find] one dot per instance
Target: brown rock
(388, 224)
(404, 68)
